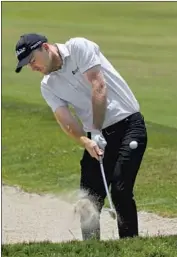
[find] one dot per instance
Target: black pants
(121, 164)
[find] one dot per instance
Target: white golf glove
(99, 139)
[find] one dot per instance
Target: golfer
(77, 74)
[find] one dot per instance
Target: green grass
(139, 247)
(140, 40)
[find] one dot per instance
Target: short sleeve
(52, 100)
(86, 54)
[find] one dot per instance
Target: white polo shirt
(68, 86)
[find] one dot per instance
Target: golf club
(111, 210)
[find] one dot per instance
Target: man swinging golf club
(77, 74)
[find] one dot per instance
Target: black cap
(25, 46)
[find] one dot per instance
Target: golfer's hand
(93, 149)
(99, 140)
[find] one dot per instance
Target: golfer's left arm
(99, 95)
(87, 55)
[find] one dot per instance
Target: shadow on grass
(161, 128)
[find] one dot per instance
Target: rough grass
(140, 40)
(139, 247)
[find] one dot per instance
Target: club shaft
(105, 182)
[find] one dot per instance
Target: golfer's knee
(121, 197)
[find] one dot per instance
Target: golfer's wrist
(84, 140)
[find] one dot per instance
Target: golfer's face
(40, 61)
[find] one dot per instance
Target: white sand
(32, 217)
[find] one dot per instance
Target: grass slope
(140, 40)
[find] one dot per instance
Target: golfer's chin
(45, 71)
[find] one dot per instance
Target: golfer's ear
(45, 46)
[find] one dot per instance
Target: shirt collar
(63, 50)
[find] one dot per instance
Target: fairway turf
(137, 247)
(140, 41)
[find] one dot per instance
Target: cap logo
(36, 44)
(20, 51)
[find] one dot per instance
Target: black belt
(108, 130)
(132, 117)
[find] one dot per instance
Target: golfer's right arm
(73, 128)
